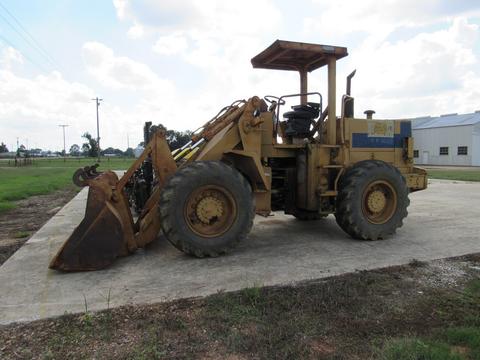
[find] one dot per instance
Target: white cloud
(208, 29)
(207, 33)
(423, 75)
(136, 32)
(217, 39)
(421, 72)
(33, 108)
(121, 7)
(165, 13)
(11, 56)
(121, 72)
(413, 58)
(378, 19)
(426, 70)
(158, 98)
(175, 43)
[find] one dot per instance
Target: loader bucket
(102, 235)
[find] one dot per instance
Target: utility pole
(64, 150)
(97, 103)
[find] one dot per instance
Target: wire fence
(68, 161)
(20, 162)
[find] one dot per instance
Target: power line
(29, 34)
(25, 56)
(33, 42)
(23, 37)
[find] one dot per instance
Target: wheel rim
(210, 211)
(379, 202)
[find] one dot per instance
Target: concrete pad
(443, 221)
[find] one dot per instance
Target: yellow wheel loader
(253, 157)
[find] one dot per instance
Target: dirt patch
(344, 317)
(443, 273)
(29, 215)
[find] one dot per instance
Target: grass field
(454, 174)
(44, 176)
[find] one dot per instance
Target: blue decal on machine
(362, 140)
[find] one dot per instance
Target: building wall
(428, 143)
(476, 145)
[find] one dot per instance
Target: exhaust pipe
(369, 113)
(349, 82)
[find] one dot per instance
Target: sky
(177, 62)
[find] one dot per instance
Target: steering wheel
(273, 99)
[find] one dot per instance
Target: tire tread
(167, 201)
(348, 216)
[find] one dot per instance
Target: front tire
(206, 208)
(372, 200)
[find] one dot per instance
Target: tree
(129, 152)
(90, 148)
(85, 149)
(3, 148)
(21, 150)
(74, 150)
(177, 139)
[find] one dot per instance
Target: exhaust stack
(349, 82)
(369, 114)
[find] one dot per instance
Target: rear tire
(372, 200)
(206, 208)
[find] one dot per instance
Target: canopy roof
(291, 55)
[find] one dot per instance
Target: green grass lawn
(44, 176)
(454, 174)
(449, 343)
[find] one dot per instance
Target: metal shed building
(450, 139)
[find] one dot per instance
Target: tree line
(89, 148)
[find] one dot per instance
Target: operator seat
(299, 120)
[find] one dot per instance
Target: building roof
(446, 120)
